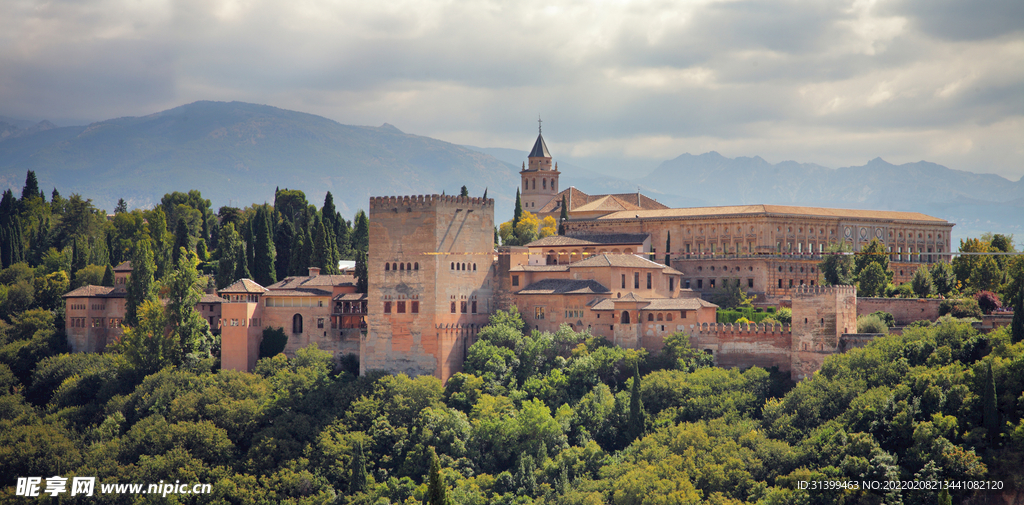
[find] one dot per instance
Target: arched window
(661, 317)
(625, 317)
(387, 267)
(668, 317)
(394, 266)
(401, 266)
(416, 266)
(650, 317)
(453, 265)
(535, 184)
(408, 266)
(544, 183)
(474, 267)
(297, 323)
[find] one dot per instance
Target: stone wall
(904, 310)
(744, 346)
(821, 315)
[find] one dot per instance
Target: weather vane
(539, 130)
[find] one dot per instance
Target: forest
(535, 417)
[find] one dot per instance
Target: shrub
(987, 301)
(871, 324)
(885, 317)
(784, 315)
(960, 308)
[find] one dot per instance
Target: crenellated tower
(539, 179)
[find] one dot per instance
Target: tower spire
(539, 125)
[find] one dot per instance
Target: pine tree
(108, 277)
(121, 206)
(182, 240)
(140, 282)
(361, 232)
(31, 188)
(263, 269)
(437, 490)
(637, 415)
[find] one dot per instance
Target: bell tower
(539, 179)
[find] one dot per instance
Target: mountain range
(237, 153)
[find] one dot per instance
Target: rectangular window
(636, 280)
(415, 307)
(712, 248)
(463, 307)
(97, 322)
(320, 323)
(687, 283)
(750, 283)
(648, 280)
(791, 283)
(453, 307)
(473, 306)
(671, 284)
(515, 280)
(234, 322)
(623, 281)
(712, 284)
(700, 283)
(401, 307)
(538, 313)
(387, 307)
(682, 314)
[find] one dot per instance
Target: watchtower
(821, 315)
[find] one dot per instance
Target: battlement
(425, 202)
(806, 290)
(719, 329)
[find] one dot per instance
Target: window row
(400, 306)
(662, 316)
(463, 266)
(533, 183)
(464, 307)
(96, 322)
(398, 267)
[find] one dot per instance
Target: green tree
(182, 240)
(964, 265)
(361, 232)
(1017, 325)
(263, 269)
(121, 206)
(145, 344)
(158, 233)
(518, 214)
(284, 237)
(361, 272)
(273, 342)
(230, 243)
(943, 277)
(437, 490)
(321, 250)
(31, 188)
(241, 264)
(874, 252)
(563, 217)
(49, 289)
(359, 479)
(986, 276)
(637, 423)
(837, 267)
(464, 191)
(189, 330)
(140, 282)
(990, 408)
(872, 281)
(108, 277)
(922, 282)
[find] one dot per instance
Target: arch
(668, 317)
(408, 266)
(416, 266)
(474, 267)
(394, 266)
(535, 184)
(453, 265)
(650, 317)
(401, 266)
(625, 317)
(387, 267)
(297, 323)
(661, 317)
(544, 183)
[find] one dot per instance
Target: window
(401, 307)
(462, 306)
(780, 283)
(97, 322)
(401, 266)
(661, 317)
(650, 317)
(416, 266)
(473, 306)
(515, 280)
(671, 284)
(625, 317)
(712, 284)
(648, 280)
(234, 322)
(408, 266)
(538, 312)
(387, 307)
(297, 319)
(415, 307)
(474, 267)
(750, 283)
(668, 317)
(700, 283)
(453, 265)
(623, 281)
(320, 323)
(687, 281)
(453, 307)
(636, 280)
(387, 267)
(791, 283)
(544, 183)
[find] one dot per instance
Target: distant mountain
(975, 202)
(239, 152)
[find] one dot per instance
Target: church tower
(539, 180)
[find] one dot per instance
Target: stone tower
(430, 270)
(539, 179)
(821, 315)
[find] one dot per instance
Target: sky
(620, 85)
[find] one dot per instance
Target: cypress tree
(226, 266)
(283, 238)
(361, 233)
(563, 217)
(991, 409)
(437, 490)
(31, 188)
(343, 234)
(263, 268)
(485, 194)
(358, 477)
(321, 256)
(250, 251)
(140, 282)
(519, 210)
(668, 247)
(637, 415)
(108, 277)
(464, 191)
(361, 272)
(79, 254)
(181, 240)
(1017, 325)
(241, 267)
(298, 262)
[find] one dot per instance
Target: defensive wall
(904, 310)
(745, 345)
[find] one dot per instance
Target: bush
(885, 317)
(960, 308)
(784, 315)
(733, 316)
(987, 301)
(871, 324)
(274, 340)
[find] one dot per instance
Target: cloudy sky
(620, 84)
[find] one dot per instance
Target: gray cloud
(817, 81)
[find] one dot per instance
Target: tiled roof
(582, 239)
(124, 266)
(298, 282)
(540, 268)
(350, 297)
(655, 303)
(540, 148)
(781, 210)
(563, 287)
(607, 203)
(575, 199)
(617, 260)
(208, 298)
(244, 286)
(298, 292)
(93, 291)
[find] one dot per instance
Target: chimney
(314, 271)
